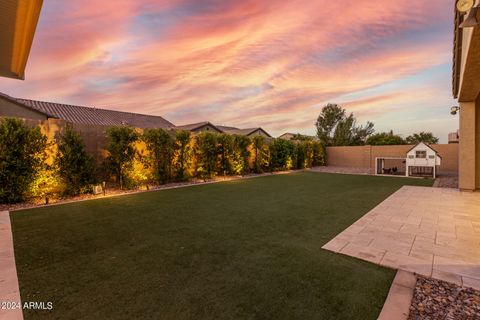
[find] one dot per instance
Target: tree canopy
(385, 138)
(426, 137)
(336, 128)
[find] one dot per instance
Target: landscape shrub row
(30, 167)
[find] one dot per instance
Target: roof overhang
(18, 22)
(466, 75)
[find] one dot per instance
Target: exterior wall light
(471, 21)
(454, 110)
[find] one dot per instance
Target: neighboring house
(453, 137)
(40, 110)
(18, 22)
(250, 132)
(289, 136)
(466, 88)
(200, 127)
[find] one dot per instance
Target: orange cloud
(245, 63)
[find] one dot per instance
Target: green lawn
(247, 249)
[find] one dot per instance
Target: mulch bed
(435, 299)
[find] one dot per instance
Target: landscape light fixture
(454, 110)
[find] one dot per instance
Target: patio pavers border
(9, 288)
(430, 231)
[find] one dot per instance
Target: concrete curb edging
(397, 304)
(9, 288)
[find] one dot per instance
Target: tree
(260, 154)
(385, 138)
(182, 154)
(205, 154)
(161, 149)
(75, 166)
(300, 155)
(318, 156)
(225, 152)
(281, 152)
(336, 128)
(327, 121)
(301, 137)
(22, 152)
(426, 137)
(121, 149)
(241, 154)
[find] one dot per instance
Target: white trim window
(421, 154)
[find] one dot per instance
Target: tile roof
(89, 115)
(243, 132)
(198, 125)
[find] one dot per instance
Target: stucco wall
(477, 140)
(94, 136)
(364, 156)
(11, 109)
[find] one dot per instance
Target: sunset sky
(249, 63)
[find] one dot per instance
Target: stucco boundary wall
(364, 156)
(94, 136)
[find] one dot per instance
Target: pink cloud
(243, 63)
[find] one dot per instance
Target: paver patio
(9, 291)
(430, 231)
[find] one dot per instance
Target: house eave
(18, 22)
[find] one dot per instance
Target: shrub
(225, 153)
(121, 149)
(161, 149)
(241, 154)
(205, 154)
(46, 183)
(281, 152)
(75, 166)
(300, 154)
(22, 151)
(260, 154)
(318, 156)
(182, 154)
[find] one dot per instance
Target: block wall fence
(94, 137)
(364, 156)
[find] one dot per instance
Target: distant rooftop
(91, 115)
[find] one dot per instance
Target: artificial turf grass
(245, 249)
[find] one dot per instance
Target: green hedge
(166, 156)
(22, 154)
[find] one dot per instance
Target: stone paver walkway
(9, 290)
(434, 232)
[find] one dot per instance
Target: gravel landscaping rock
(435, 299)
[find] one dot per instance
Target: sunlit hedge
(134, 160)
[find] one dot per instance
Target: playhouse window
(421, 154)
(431, 157)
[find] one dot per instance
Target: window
(411, 157)
(431, 157)
(421, 154)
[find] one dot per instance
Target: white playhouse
(422, 160)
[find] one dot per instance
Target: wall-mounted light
(464, 6)
(454, 110)
(471, 20)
